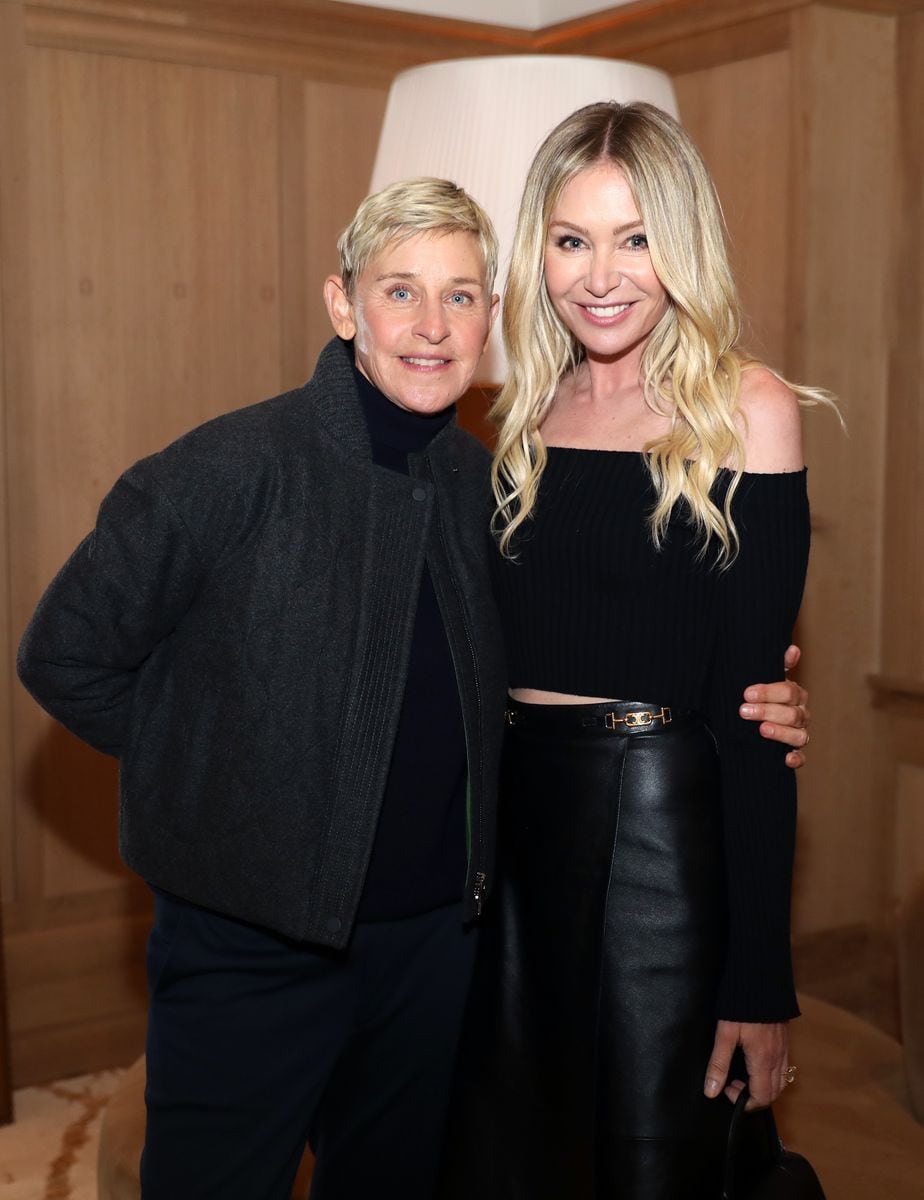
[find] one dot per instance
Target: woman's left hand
(782, 711)
(766, 1050)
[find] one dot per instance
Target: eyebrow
(458, 279)
(580, 228)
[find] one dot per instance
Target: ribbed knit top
(591, 608)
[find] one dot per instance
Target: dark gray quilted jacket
(236, 630)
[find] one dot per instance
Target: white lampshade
(479, 121)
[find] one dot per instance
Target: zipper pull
(480, 880)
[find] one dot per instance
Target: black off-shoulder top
(590, 607)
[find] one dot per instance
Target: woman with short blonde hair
(424, 205)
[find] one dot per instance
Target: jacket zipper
(480, 880)
(478, 890)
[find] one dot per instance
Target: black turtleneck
(418, 859)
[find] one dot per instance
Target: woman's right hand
(766, 1055)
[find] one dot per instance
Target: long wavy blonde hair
(692, 363)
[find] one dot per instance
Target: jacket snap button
(333, 924)
(419, 493)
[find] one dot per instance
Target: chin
(426, 405)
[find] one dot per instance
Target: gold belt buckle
(638, 720)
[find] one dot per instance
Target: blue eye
(638, 241)
(570, 241)
(459, 298)
(401, 293)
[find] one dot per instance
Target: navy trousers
(257, 1045)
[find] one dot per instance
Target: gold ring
(789, 1075)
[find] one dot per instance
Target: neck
(606, 381)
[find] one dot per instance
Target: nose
(431, 321)
(603, 276)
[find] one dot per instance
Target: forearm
(760, 599)
(759, 815)
(119, 594)
(66, 668)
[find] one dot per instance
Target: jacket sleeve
(120, 593)
(761, 593)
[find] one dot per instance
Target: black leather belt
(618, 716)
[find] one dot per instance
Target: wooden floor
(849, 1112)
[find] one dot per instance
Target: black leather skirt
(592, 1013)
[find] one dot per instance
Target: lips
(606, 310)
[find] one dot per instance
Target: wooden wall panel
(77, 994)
(14, 327)
(14, 337)
(342, 127)
(843, 116)
(734, 114)
(12, 159)
(677, 37)
(903, 597)
(333, 42)
(909, 827)
(900, 685)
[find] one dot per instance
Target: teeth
(426, 362)
(609, 311)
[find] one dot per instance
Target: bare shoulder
(771, 427)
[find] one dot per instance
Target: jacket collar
(333, 396)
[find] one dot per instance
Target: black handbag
(756, 1165)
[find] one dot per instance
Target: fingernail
(750, 693)
(747, 710)
(712, 1087)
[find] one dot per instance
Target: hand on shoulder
(771, 427)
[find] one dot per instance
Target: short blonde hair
(405, 209)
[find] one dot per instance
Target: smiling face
(598, 271)
(419, 315)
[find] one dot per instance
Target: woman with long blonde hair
(653, 532)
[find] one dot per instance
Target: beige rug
(49, 1152)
